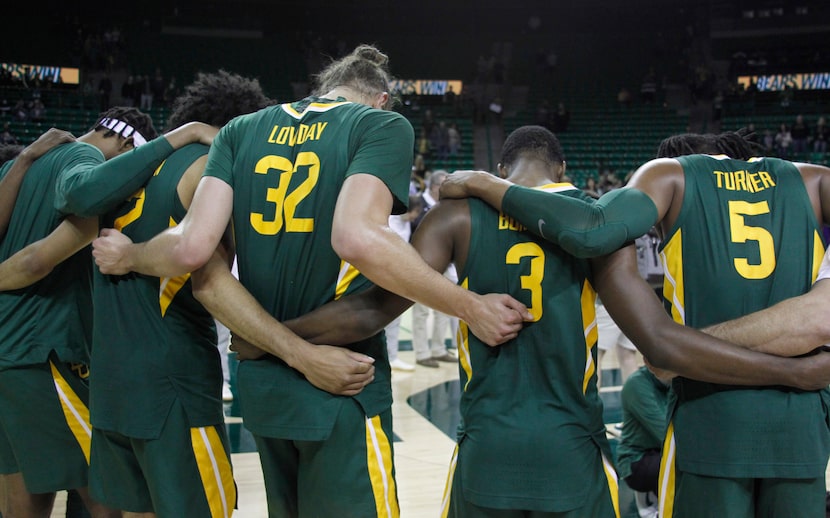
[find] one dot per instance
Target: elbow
(189, 261)
(77, 202)
(191, 253)
(352, 244)
(37, 267)
(653, 346)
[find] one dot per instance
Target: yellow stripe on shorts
(613, 485)
(379, 460)
(463, 342)
(215, 471)
(445, 501)
(666, 479)
(75, 411)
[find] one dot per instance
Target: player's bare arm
(38, 259)
(362, 237)
(334, 369)
(686, 351)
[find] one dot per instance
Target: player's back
(286, 165)
(289, 163)
(746, 237)
(55, 312)
(152, 338)
(538, 390)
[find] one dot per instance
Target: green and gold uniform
(155, 346)
(286, 165)
(532, 436)
(746, 238)
(644, 399)
(45, 329)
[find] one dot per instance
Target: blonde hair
(364, 70)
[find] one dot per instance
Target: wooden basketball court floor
(425, 416)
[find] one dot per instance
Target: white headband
(123, 129)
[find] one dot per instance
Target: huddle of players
(307, 214)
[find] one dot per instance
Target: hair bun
(372, 54)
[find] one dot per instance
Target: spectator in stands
(5, 107)
(428, 122)
(454, 139)
(419, 167)
(543, 115)
(128, 92)
(104, 92)
(450, 99)
(768, 141)
(145, 92)
(422, 145)
(171, 92)
(38, 111)
(402, 225)
(88, 94)
(648, 88)
(157, 88)
(783, 141)
(820, 136)
(439, 140)
(800, 133)
(20, 112)
(6, 138)
(430, 348)
(786, 96)
(561, 119)
(591, 187)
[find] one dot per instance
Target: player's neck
(533, 173)
(348, 93)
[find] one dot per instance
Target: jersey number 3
(741, 233)
(533, 280)
(285, 202)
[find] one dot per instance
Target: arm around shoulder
(37, 260)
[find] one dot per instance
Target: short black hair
(140, 121)
(735, 144)
(216, 98)
(533, 142)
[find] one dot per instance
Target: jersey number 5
(741, 233)
(285, 202)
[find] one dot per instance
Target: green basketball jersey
(54, 313)
(153, 341)
(644, 400)
(530, 409)
(746, 238)
(286, 165)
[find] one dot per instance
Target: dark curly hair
(534, 142)
(734, 144)
(216, 98)
(141, 122)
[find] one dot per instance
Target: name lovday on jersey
(296, 135)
